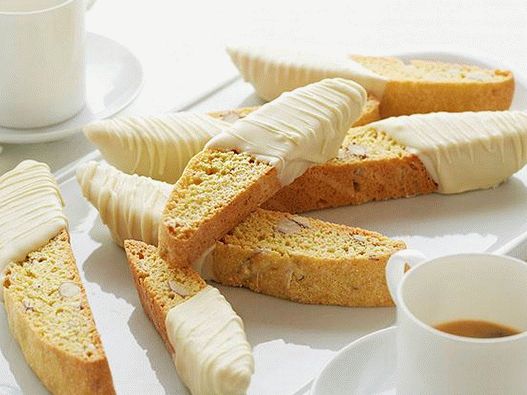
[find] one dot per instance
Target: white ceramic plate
(365, 367)
(113, 79)
(435, 224)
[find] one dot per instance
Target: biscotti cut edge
(371, 166)
(155, 304)
(297, 275)
(411, 93)
(61, 372)
(181, 245)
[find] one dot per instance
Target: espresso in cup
(479, 304)
(477, 328)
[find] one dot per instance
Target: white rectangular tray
(435, 224)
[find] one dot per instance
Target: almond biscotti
(160, 146)
(403, 88)
(199, 327)
(246, 164)
(46, 305)
(413, 155)
(278, 254)
(304, 260)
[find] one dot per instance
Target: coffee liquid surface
(476, 328)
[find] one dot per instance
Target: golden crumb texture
(217, 190)
(422, 86)
(370, 166)
(49, 316)
(305, 260)
(159, 285)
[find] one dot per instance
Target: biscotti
(46, 304)
(304, 260)
(246, 164)
(412, 155)
(283, 255)
(160, 146)
(403, 88)
(204, 335)
(130, 205)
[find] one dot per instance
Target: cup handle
(89, 4)
(395, 268)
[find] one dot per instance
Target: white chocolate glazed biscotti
(274, 70)
(130, 205)
(232, 176)
(463, 151)
(212, 353)
(201, 330)
(113, 136)
(45, 301)
(159, 146)
(403, 87)
(30, 210)
(412, 155)
(300, 129)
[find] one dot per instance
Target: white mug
(42, 65)
(458, 287)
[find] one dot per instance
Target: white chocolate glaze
(300, 129)
(30, 211)
(130, 205)
(212, 355)
(463, 151)
(157, 146)
(273, 71)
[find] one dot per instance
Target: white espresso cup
(42, 65)
(458, 287)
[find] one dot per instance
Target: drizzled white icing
(463, 151)
(212, 355)
(299, 129)
(30, 211)
(130, 205)
(273, 70)
(154, 146)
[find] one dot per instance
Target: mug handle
(89, 4)
(396, 267)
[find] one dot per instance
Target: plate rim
(343, 351)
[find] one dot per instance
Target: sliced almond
(175, 222)
(287, 226)
(302, 221)
(179, 288)
(69, 289)
(352, 150)
(27, 305)
(360, 238)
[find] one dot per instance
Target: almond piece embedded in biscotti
(69, 289)
(286, 226)
(178, 288)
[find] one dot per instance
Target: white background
(181, 43)
(181, 46)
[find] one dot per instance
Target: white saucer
(366, 366)
(113, 79)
